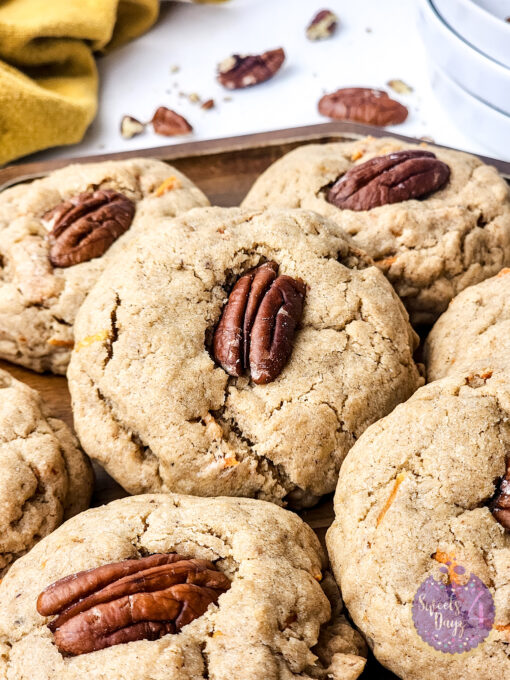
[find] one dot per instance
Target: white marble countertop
(376, 40)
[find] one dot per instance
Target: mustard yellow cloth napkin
(48, 77)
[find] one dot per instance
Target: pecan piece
(500, 506)
(399, 86)
(130, 127)
(322, 26)
(129, 600)
(169, 123)
(396, 177)
(363, 105)
(258, 324)
(240, 71)
(86, 225)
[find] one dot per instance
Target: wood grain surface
(224, 170)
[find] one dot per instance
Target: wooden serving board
(224, 169)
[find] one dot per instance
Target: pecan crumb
(399, 86)
(130, 127)
(322, 26)
(208, 104)
(194, 98)
(169, 123)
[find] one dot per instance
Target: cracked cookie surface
(38, 302)
(152, 406)
(44, 478)
(279, 619)
(417, 486)
(430, 249)
(474, 330)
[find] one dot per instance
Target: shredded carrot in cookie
(55, 342)
(217, 633)
(168, 184)
(90, 339)
(504, 271)
(443, 558)
(357, 155)
(503, 629)
(318, 577)
(386, 261)
(450, 561)
(398, 481)
(230, 461)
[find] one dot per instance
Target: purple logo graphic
(455, 613)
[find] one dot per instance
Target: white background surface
(376, 40)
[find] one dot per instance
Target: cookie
(474, 330)
(431, 246)
(156, 409)
(420, 544)
(56, 235)
(44, 478)
(254, 609)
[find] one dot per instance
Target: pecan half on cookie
(364, 105)
(396, 177)
(501, 504)
(132, 600)
(258, 324)
(86, 225)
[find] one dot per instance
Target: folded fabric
(48, 76)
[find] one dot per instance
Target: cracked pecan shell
(363, 105)
(257, 327)
(240, 71)
(501, 504)
(130, 600)
(396, 177)
(86, 225)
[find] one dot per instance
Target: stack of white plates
(468, 43)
